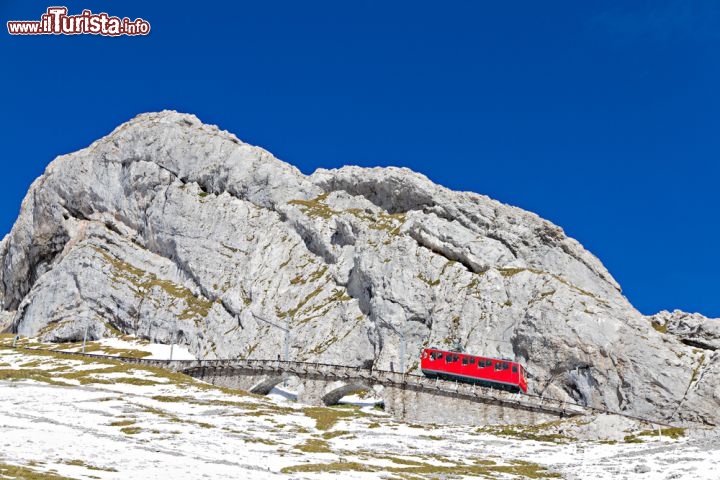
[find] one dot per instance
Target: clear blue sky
(603, 117)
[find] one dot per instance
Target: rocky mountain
(171, 229)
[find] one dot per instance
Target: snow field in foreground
(78, 418)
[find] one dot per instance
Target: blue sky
(602, 117)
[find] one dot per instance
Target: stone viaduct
(414, 398)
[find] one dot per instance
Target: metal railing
(354, 373)
(371, 375)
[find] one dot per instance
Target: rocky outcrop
(170, 229)
(702, 335)
(692, 329)
(6, 321)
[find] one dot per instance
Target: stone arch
(266, 384)
(333, 396)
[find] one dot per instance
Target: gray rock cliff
(169, 228)
(692, 329)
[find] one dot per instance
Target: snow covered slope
(87, 419)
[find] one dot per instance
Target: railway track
(391, 379)
(349, 374)
(313, 370)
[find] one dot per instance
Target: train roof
(472, 355)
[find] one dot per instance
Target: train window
(464, 361)
(448, 359)
(498, 366)
(505, 366)
(471, 361)
(514, 369)
(455, 358)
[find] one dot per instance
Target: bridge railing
(383, 377)
(390, 378)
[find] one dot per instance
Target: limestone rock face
(170, 229)
(702, 334)
(6, 321)
(691, 328)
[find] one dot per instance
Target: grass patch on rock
(334, 467)
(314, 445)
(326, 417)
(117, 366)
(670, 432)
(37, 375)
(131, 430)
(15, 471)
(659, 327)
(336, 433)
(643, 435)
(316, 207)
(122, 423)
(519, 469)
(540, 433)
(81, 463)
(248, 408)
(196, 306)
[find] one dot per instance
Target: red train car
(489, 372)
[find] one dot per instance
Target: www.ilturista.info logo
(57, 22)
